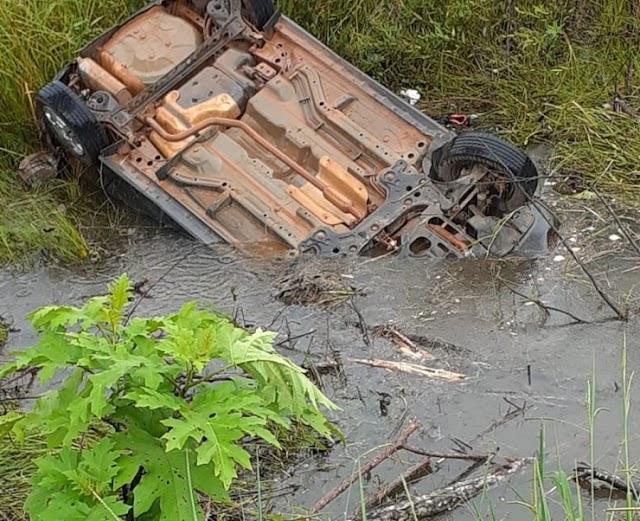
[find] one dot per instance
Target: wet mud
(523, 367)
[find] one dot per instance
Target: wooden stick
(397, 485)
(409, 368)
(406, 345)
(346, 483)
(445, 455)
(447, 498)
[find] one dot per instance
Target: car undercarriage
(242, 127)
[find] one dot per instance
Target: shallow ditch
(465, 313)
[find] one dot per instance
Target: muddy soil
(465, 314)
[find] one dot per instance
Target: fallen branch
(446, 498)
(392, 488)
(447, 455)
(409, 368)
(346, 483)
(406, 345)
(362, 323)
(585, 474)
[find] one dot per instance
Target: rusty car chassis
(240, 126)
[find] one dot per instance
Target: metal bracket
(408, 195)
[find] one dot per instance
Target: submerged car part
(240, 126)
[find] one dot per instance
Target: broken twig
(392, 488)
(406, 345)
(346, 483)
(409, 368)
(446, 498)
(545, 309)
(448, 455)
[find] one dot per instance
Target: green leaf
(152, 399)
(54, 317)
(141, 327)
(191, 346)
(121, 363)
(47, 505)
(76, 485)
(217, 419)
(281, 382)
(8, 421)
(140, 419)
(108, 509)
(119, 293)
(52, 469)
(50, 353)
(62, 414)
(165, 477)
(99, 464)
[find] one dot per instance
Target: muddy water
(510, 355)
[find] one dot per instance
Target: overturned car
(242, 127)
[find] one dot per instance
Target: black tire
(471, 148)
(84, 138)
(258, 12)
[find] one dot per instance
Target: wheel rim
(63, 132)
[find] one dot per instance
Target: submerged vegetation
(555, 491)
(535, 71)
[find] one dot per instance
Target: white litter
(412, 95)
(614, 238)
(558, 258)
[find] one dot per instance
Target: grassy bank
(36, 39)
(535, 70)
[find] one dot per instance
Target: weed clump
(37, 39)
(183, 396)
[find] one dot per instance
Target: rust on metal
(271, 142)
(441, 230)
(329, 192)
(121, 72)
(97, 78)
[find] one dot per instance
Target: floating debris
(412, 95)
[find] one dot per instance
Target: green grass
(555, 486)
(535, 71)
(37, 38)
(17, 462)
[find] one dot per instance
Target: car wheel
(258, 12)
(507, 164)
(70, 124)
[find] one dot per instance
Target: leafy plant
(180, 395)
